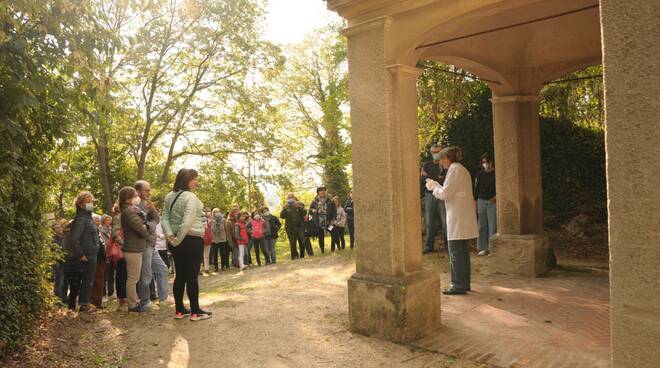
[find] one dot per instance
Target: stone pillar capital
(368, 25)
(515, 98)
(403, 70)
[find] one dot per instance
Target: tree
(188, 58)
(315, 88)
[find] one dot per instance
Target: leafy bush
(572, 159)
(35, 105)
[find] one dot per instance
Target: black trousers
(322, 240)
(338, 239)
(296, 235)
(261, 244)
(164, 257)
(187, 261)
(351, 232)
(121, 275)
(215, 248)
(224, 254)
(74, 279)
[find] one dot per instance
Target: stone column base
(521, 255)
(399, 309)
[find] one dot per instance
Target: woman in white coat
(461, 217)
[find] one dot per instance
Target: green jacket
(135, 231)
(184, 218)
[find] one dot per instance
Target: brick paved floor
(558, 321)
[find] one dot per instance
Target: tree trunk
(104, 168)
(170, 158)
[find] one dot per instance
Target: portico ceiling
(521, 43)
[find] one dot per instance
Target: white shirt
(461, 212)
(161, 244)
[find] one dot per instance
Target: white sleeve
(449, 189)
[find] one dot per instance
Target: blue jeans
(487, 212)
(153, 268)
(89, 272)
(459, 260)
(270, 245)
(60, 284)
(435, 217)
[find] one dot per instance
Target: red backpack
(258, 229)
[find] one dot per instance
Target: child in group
(242, 238)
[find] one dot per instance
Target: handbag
(113, 250)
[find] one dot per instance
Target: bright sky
(288, 21)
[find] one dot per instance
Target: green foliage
(315, 88)
(36, 101)
(572, 158)
(472, 130)
(221, 186)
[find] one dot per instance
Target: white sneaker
(482, 253)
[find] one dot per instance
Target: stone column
(390, 296)
(519, 248)
(631, 58)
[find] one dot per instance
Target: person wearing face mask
(484, 193)
(134, 223)
(434, 209)
(219, 243)
(82, 246)
(461, 217)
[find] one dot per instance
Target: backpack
(258, 229)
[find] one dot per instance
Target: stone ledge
(520, 255)
(399, 309)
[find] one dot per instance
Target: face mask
(290, 202)
(135, 201)
(436, 156)
(89, 206)
(485, 166)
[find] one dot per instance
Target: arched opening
(455, 108)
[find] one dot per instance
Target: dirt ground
(293, 314)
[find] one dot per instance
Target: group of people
(459, 208)
(129, 252)
(326, 214)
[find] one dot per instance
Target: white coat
(461, 212)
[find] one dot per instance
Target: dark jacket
(330, 212)
(273, 226)
(293, 218)
(229, 231)
(350, 210)
(83, 238)
(135, 232)
(153, 219)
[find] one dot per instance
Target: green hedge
(36, 100)
(573, 159)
